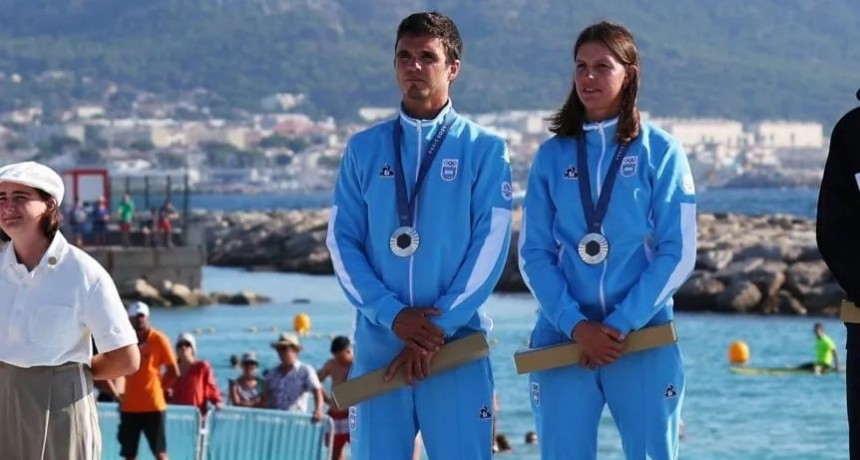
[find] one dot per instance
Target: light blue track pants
(644, 391)
(453, 410)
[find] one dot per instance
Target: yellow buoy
(302, 323)
(739, 352)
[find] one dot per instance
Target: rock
(788, 304)
(247, 298)
(512, 279)
(699, 293)
(141, 290)
(826, 297)
(220, 298)
(181, 295)
(740, 297)
(316, 263)
(809, 253)
(714, 260)
(203, 298)
(303, 245)
(782, 303)
(769, 252)
(768, 277)
(802, 277)
(738, 270)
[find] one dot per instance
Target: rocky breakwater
(170, 294)
(745, 264)
(764, 264)
(280, 240)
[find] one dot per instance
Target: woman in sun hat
(54, 300)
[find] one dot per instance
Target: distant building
(374, 114)
(693, 132)
(161, 133)
(788, 134)
(23, 116)
(281, 101)
(237, 137)
(38, 133)
(89, 111)
(232, 175)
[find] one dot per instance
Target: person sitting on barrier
(101, 216)
(338, 369)
(166, 215)
(246, 390)
(287, 386)
(196, 385)
(148, 226)
(143, 407)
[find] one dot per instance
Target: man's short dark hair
(339, 343)
(433, 24)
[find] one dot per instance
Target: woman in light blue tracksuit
(603, 267)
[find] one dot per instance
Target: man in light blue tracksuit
(419, 261)
(610, 275)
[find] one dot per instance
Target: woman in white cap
(196, 384)
(54, 301)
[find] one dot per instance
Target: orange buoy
(739, 352)
(302, 323)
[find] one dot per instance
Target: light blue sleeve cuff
(568, 319)
(616, 320)
(388, 311)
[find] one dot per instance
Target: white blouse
(49, 315)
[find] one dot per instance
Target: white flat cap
(35, 175)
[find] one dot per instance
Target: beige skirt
(48, 413)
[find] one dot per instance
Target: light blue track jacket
(462, 218)
(650, 226)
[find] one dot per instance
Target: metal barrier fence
(232, 433)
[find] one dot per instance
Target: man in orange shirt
(143, 406)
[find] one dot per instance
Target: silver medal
(404, 241)
(593, 248)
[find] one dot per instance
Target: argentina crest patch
(629, 165)
(449, 168)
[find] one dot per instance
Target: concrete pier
(179, 264)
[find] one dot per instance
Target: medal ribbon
(594, 216)
(406, 205)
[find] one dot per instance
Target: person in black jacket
(838, 235)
